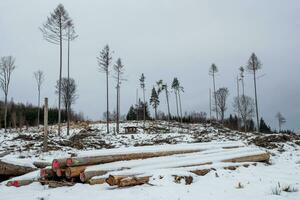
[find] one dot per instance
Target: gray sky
(162, 39)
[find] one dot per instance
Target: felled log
(40, 164)
(74, 171)
(55, 184)
(87, 175)
(60, 172)
(95, 181)
(47, 173)
(9, 169)
(114, 180)
(201, 172)
(262, 157)
(93, 160)
(59, 164)
(19, 183)
(133, 181)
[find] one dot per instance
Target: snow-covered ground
(254, 182)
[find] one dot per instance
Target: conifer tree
(154, 101)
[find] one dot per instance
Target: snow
(257, 182)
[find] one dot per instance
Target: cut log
(87, 175)
(59, 164)
(55, 184)
(133, 181)
(81, 161)
(47, 173)
(9, 169)
(114, 180)
(40, 164)
(263, 157)
(74, 171)
(60, 172)
(201, 172)
(19, 183)
(97, 181)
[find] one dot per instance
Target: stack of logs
(69, 171)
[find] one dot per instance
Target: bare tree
(175, 84)
(254, 64)
(71, 35)
(164, 87)
(142, 84)
(53, 31)
(178, 88)
(281, 120)
(244, 105)
(242, 70)
(68, 93)
(212, 71)
(7, 66)
(39, 77)
(119, 71)
(221, 96)
(104, 61)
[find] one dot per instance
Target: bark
(87, 175)
(60, 74)
(107, 105)
(5, 113)
(176, 97)
(216, 107)
(74, 171)
(201, 172)
(133, 181)
(46, 174)
(97, 181)
(256, 104)
(167, 97)
(55, 184)
(114, 180)
(19, 183)
(9, 169)
(80, 161)
(262, 157)
(68, 95)
(180, 107)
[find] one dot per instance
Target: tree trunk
(45, 142)
(41, 164)
(68, 87)
(144, 106)
(176, 97)
(180, 107)
(96, 181)
(261, 157)
(93, 160)
(5, 113)
(38, 117)
(118, 109)
(19, 183)
(9, 169)
(256, 104)
(74, 171)
(87, 175)
(60, 74)
(133, 181)
(107, 105)
(215, 96)
(167, 97)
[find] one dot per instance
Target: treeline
(20, 115)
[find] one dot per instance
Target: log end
(69, 162)
(13, 184)
(55, 165)
(82, 177)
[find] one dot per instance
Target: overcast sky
(162, 39)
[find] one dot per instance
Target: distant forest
(20, 115)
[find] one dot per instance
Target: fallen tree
(9, 169)
(87, 175)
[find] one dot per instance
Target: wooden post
(46, 124)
